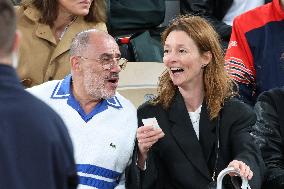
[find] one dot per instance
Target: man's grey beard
(95, 87)
(14, 58)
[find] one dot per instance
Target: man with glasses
(101, 122)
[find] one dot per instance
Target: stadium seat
(138, 82)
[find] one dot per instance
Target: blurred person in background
(36, 149)
(269, 134)
(47, 28)
(253, 58)
(220, 13)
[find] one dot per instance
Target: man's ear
(16, 43)
(75, 63)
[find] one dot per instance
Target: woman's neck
(62, 20)
(61, 24)
(193, 97)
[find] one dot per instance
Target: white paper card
(151, 121)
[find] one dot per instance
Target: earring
(203, 65)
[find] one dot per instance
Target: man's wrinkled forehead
(103, 46)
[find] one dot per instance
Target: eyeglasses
(109, 62)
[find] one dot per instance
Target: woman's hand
(146, 137)
(243, 169)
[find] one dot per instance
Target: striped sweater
(103, 140)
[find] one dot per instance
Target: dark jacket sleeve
(208, 9)
(147, 179)
(268, 136)
(243, 145)
(154, 175)
(133, 173)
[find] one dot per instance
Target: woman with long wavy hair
(47, 28)
(197, 127)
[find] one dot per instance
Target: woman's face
(183, 59)
(75, 7)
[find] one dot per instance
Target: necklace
(66, 27)
(195, 119)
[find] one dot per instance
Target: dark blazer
(35, 147)
(269, 134)
(180, 160)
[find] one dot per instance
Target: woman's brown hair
(49, 10)
(217, 83)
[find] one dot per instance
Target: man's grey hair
(80, 42)
(8, 26)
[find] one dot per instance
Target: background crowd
(219, 102)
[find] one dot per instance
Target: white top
(103, 140)
(238, 7)
(195, 117)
